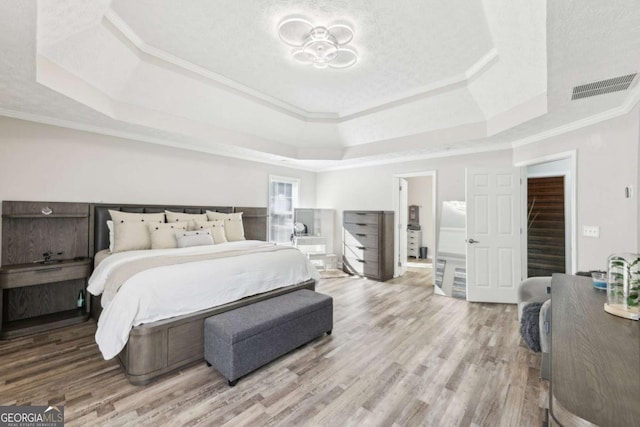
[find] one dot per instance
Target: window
(283, 199)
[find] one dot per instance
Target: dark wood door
(546, 226)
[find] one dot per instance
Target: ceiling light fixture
(320, 46)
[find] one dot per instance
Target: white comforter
(173, 290)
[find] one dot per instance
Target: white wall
(41, 162)
(607, 162)
(48, 163)
(421, 193)
(371, 188)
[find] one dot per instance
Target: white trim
(410, 157)
(621, 110)
(116, 23)
(396, 208)
(546, 159)
(67, 124)
(572, 155)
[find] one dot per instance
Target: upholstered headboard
(254, 220)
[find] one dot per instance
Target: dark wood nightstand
(39, 297)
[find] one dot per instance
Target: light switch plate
(591, 231)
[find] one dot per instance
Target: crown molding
(624, 108)
(411, 157)
(68, 124)
(119, 28)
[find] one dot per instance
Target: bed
(157, 347)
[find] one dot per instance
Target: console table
(595, 358)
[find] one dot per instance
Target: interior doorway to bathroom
(420, 221)
(415, 208)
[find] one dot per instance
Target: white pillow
(190, 218)
(187, 239)
(118, 216)
(130, 236)
(130, 230)
(111, 235)
(163, 236)
(233, 228)
(217, 229)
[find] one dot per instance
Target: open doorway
(415, 217)
(549, 243)
(546, 226)
(420, 221)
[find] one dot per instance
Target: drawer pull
(45, 270)
(360, 260)
(362, 248)
(360, 213)
(361, 224)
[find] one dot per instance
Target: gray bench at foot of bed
(240, 341)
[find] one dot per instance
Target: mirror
(451, 272)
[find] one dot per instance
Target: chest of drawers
(368, 244)
(414, 239)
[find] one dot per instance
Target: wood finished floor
(398, 356)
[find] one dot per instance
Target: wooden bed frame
(164, 346)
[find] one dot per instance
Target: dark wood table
(595, 358)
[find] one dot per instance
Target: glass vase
(623, 285)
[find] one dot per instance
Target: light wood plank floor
(398, 356)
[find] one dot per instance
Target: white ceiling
(433, 77)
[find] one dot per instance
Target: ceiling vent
(615, 84)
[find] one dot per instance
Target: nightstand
(39, 297)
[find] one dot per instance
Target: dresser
(414, 239)
(368, 244)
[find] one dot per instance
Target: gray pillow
(187, 239)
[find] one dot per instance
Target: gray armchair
(534, 290)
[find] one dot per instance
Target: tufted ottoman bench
(240, 341)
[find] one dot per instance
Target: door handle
(472, 241)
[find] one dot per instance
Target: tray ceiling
(213, 75)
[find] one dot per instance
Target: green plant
(621, 273)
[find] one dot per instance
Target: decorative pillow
(118, 216)
(217, 229)
(130, 236)
(194, 238)
(190, 218)
(233, 228)
(111, 235)
(163, 236)
(130, 230)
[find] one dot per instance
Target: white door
(402, 226)
(493, 234)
